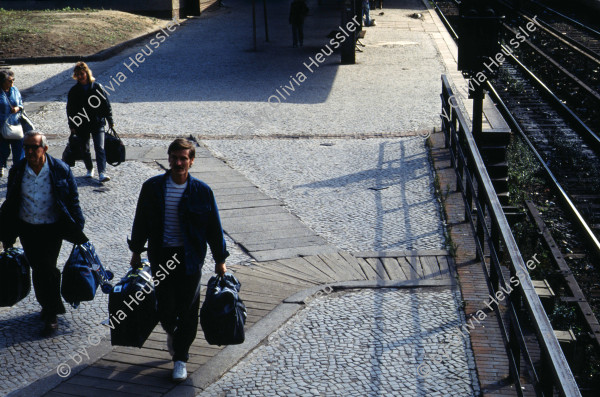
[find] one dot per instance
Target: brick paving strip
(486, 339)
(284, 269)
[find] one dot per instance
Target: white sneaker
(104, 178)
(179, 371)
(170, 348)
(90, 173)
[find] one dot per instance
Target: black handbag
(114, 148)
(73, 151)
(223, 313)
(15, 282)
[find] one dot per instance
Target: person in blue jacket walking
(177, 215)
(42, 208)
(11, 108)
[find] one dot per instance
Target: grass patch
(68, 31)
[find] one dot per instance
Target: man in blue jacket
(177, 215)
(42, 208)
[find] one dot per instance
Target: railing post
(478, 187)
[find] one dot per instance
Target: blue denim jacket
(198, 216)
(15, 100)
(66, 197)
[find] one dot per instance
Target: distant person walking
(11, 108)
(177, 215)
(88, 110)
(298, 11)
(366, 12)
(42, 208)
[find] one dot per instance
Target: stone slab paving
(395, 342)
(108, 209)
(374, 194)
(203, 81)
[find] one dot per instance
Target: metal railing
(492, 231)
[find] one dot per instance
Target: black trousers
(41, 244)
(178, 300)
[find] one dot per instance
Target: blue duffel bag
(15, 282)
(82, 275)
(223, 313)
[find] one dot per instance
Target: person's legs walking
(84, 139)
(41, 244)
(187, 315)
(365, 10)
(301, 34)
(178, 300)
(295, 35)
(98, 137)
(99, 149)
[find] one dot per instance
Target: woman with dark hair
(88, 110)
(11, 106)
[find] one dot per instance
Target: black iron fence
(497, 249)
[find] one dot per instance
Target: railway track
(561, 129)
(561, 54)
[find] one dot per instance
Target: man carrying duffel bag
(42, 208)
(177, 215)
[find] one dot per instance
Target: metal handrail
(479, 195)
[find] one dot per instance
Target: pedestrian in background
(11, 108)
(366, 12)
(177, 215)
(88, 110)
(42, 208)
(298, 11)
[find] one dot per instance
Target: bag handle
(111, 130)
(88, 254)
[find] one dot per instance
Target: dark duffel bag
(15, 282)
(223, 313)
(82, 275)
(114, 148)
(73, 151)
(132, 308)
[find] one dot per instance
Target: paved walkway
(331, 190)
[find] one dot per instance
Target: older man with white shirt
(42, 208)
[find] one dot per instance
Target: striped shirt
(173, 237)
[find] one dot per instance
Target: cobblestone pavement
(395, 343)
(360, 194)
(109, 210)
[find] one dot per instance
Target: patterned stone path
(361, 153)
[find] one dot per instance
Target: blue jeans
(98, 138)
(5, 148)
(365, 11)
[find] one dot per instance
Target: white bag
(12, 132)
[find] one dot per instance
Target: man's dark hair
(182, 144)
